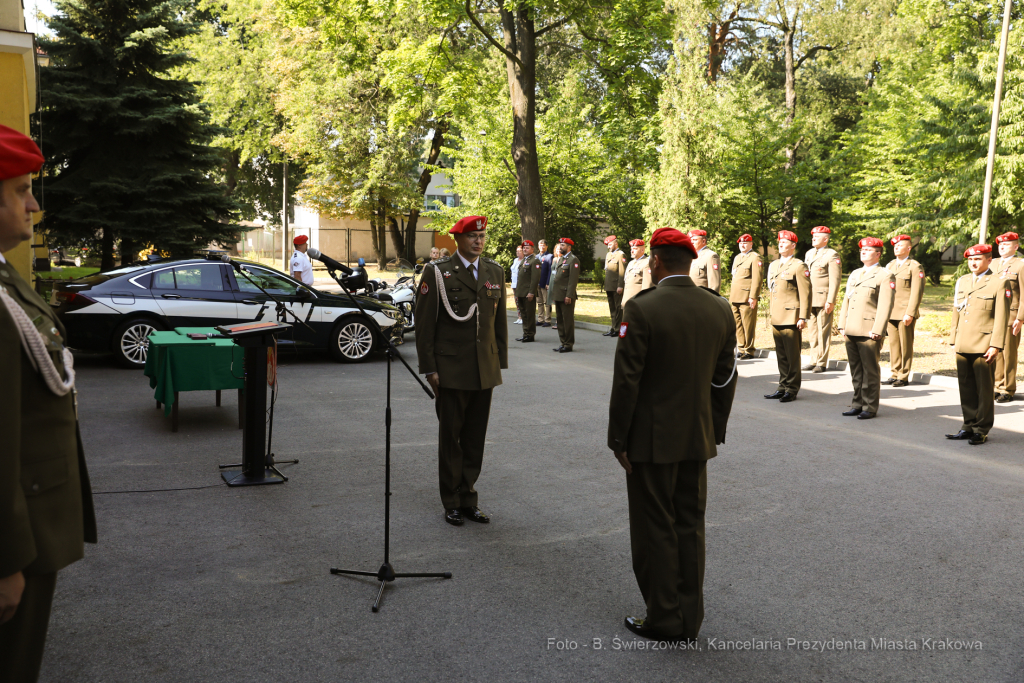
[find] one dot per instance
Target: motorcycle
(401, 294)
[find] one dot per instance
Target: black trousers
(977, 392)
(23, 638)
(615, 309)
(462, 428)
(787, 354)
(666, 534)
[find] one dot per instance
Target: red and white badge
(423, 288)
(807, 273)
(1009, 294)
(892, 285)
(575, 265)
(838, 262)
(714, 266)
(921, 274)
(622, 330)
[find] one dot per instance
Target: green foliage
(126, 142)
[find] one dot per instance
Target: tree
(127, 144)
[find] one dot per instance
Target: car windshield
(100, 278)
(275, 283)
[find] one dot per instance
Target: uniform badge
(622, 330)
(714, 266)
(1009, 294)
(447, 273)
(575, 265)
(807, 273)
(758, 264)
(538, 265)
(921, 274)
(423, 288)
(892, 285)
(838, 262)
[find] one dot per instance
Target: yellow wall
(14, 112)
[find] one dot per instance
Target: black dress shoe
(962, 435)
(527, 340)
(777, 394)
(1004, 398)
(852, 412)
(978, 439)
(564, 349)
(818, 368)
(746, 356)
(865, 415)
(787, 397)
(888, 381)
(609, 333)
(520, 338)
(900, 383)
(808, 367)
(453, 516)
(474, 514)
(636, 625)
(558, 350)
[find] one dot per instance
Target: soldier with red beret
(563, 292)
(1010, 269)
(526, 291)
(301, 267)
(706, 268)
(614, 282)
(462, 343)
(638, 274)
(46, 511)
(826, 269)
(790, 287)
(862, 322)
(909, 277)
(747, 269)
(977, 333)
(672, 392)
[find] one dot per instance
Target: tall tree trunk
(127, 251)
(718, 37)
(520, 40)
(373, 236)
(107, 249)
(381, 236)
(414, 216)
(396, 237)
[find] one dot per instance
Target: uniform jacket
(980, 312)
(790, 289)
(705, 269)
(747, 274)
(528, 281)
(909, 288)
(826, 270)
(675, 340)
(638, 277)
(463, 356)
(614, 270)
(46, 511)
(1011, 271)
(567, 274)
(868, 302)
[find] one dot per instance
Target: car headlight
(392, 313)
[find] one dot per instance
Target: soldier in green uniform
(672, 391)
(462, 344)
(909, 277)
(790, 287)
(527, 289)
(1009, 268)
(981, 307)
(705, 270)
(638, 272)
(866, 310)
(744, 292)
(563, 291)
(46, 512)
(614, 282)
(826, 273)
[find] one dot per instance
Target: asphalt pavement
(837, 549)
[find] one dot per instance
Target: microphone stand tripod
(386, 573)
(282, 315)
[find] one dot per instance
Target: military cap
(18, 154)
(670, 237)
(873, 242)
(636, 243)
(821, 229)
(696, 233)
(1007, 237)
(300, 240)
(745, 238)
(978, 250)
(900, 238)
(526, 243)
(787, 235)
(566, 240)
(609, 239)
(469, 224)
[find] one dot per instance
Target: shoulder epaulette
(443, 259)
(484, 258)
(708, 289)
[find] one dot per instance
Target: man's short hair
(673, 257)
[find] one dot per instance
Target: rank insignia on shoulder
(622, 330)
(424, 289)
(443, 259)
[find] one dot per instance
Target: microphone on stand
(328, 261)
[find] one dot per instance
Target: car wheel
(131, 342)
(352, 341)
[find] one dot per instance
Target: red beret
(745, 238)
(696, 233)
(636, 243)
(670, 237)
(18, 154)
(1007, 237)
(900, 238)
(469, 224)
(300, 239)
(609, 239)
(566, 240)
(871, 242)
(526, 242)
(978, 250)
(821, 230)
(787, 235)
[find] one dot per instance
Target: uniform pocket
(987, 304)
(444, 350)
(40, 476)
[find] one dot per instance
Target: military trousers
(565, 319)
(746, 325)
(528, 307)
(23, 637)
(864, 354)
(819, 336)
(615, 309)
(666, 535)
(977, 398)
(462, 428)
(787, 352)
(543, 305)
(901, 348)
(1006, 365)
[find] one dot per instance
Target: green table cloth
(176, 363)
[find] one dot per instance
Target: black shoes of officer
(454, 516)
(865, 415)
(525, 339)
(818, 368)
(777, 394)
(978, 439)
(562, 349)
(609, 333)
(808, 367)
(474, 514)
(1004, 398)
(852, 412)
(636, 625)
(962, 435)
(888, 381)
(787, 397)
(900, 383)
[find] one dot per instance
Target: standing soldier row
(744, 293)
(908, 276)
(1009, 269)
(826, 273)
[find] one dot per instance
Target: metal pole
(993, 133)
(284, 212)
